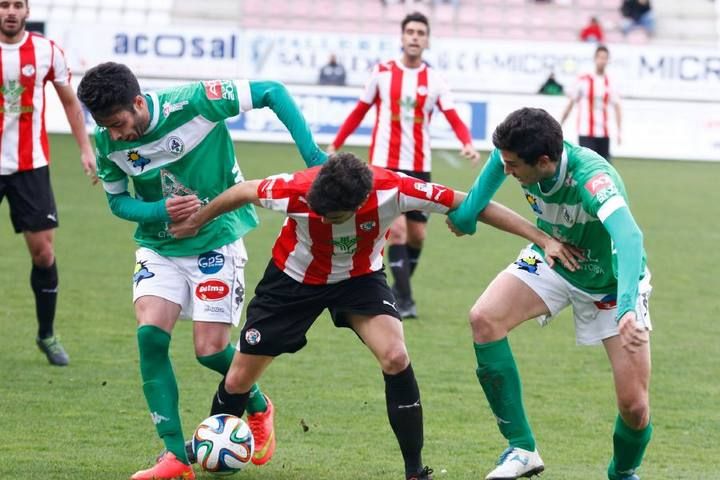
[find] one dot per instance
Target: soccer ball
(223, 444)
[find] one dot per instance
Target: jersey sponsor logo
(431, 191)
(28, 70)
(210, 262)
(175, 145)
(530, 264)
(213, 89)
(252, 336)
(346, 244)
(169, 108)
(141, 272)
(212, 290)
(12, 93)
(137, 160)
(606, 193)
(599, 182)
(532, 200)
(213, 309)
(608, 302)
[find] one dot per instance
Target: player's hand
(469, 152)
(330, 149)
(186, 228)
(632, 335)
(87, 159)
(568, 255)
(453, 228)
(181, 207)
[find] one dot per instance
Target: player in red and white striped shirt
(329, 255)
(405, 92)
(594, 95)
(27, 62)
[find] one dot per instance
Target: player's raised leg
(633, 429)
(383, 335)
(505, 304)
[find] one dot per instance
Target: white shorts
(595, 314)
(209, 287)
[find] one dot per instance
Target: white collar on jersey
(155, 112)
(561, 177)
(15, 46)
(401, 66)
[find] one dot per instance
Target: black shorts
(32, 204)
(283, 310)
(416, 215)
(600, 145)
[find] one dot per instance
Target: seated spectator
(333, 73)
(638, 14)
(551, 86)
(592, 32)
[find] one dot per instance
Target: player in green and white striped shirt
(175, 147)
(579, 199)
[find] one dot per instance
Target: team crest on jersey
(175, 145)
(532, 200)
(137, 160)
(422, 90)
(529, 264)
(368, 226)
(11, 92)
(28, 70)
(252, 336)
(141, 272)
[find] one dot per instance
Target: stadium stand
(689, 21)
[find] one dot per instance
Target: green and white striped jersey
(570, 207)
(187, 149)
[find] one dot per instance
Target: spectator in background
(551, 86)
(592, 32)
(638, 14)
(333, 73)
(594, 93)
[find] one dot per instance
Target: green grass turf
(89, 420)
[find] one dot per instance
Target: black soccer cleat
(53, 350)
(424, 474)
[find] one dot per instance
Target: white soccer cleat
(517, 463)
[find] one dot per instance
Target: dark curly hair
(342, 185)
(108, 88)
(530, 133)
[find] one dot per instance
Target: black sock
(414, 257)
(225, 402)
(405, 414)
(400, 267)
(44, 283)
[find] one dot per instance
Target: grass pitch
(89, 420)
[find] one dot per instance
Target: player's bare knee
(209, 346)
(484, 326)
(395, 360)
(43, 257)
(236, 382)
(635, 412)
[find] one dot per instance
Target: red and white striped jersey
(316, 253)
(594, 94)
(25, 67)
(404, 99)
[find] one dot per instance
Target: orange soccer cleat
(168, 467)
(263, 430)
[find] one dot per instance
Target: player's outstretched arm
(351, 123)
(275, 96)
(507, 220)
(231, 199)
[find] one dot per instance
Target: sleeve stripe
(116, 188)
(610, 206)
(244, 95)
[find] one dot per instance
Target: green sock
(256, 402)
(160, 388)
(628, 449)
(220, 362)
(500, 381)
